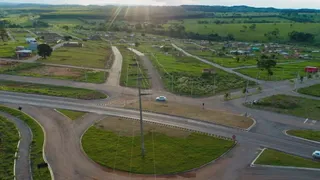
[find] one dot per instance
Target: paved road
(153, 73)
(254, 66)
(22, 169)
(115, 71)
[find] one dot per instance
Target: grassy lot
(63, 21)
(93, 54)
(183, 75)
(51, 90)
(20, 35)
(111, 143)
(73, 115)
(311, 90)
(194, 112)
(131, 71)
(38, 70)
(36, 145)
(297, 106)
(306, 134)
(280, 72)
(9, 139)
(7, 49)
(277, 158)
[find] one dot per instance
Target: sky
(314, 4)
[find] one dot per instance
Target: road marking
(305, 120)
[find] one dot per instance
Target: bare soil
(54, 71)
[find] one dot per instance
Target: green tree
(66, 28)
(3, 34)
(137, 44)
(253, 27)
(67, 38)
(44, 50)
(266, 63)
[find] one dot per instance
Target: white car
(161, 98)
(316, 154)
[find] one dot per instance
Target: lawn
(280, 72)
(39, 70)
(194, 112)
(36, 154)
(311, 90)
(129, 74)
(183, 74)
(112, 144)
(73, 115)
(306, 134)
(277, 158)
(9, 138)
(93, 54)
(7, 49)
(297, 106)
(51, 90)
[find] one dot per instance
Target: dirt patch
(194, 112)
(126, 127)
(7, 64)
(54, 71)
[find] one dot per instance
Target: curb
(285, 132)
(16, 154)
(252, 126)
(67, 116)
(255, 159)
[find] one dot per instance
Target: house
(24, 53)
(33, 46)
(18, 48)
(73, 44)
(310, 69)
(255, 49)
(208, 71)
(30, 39)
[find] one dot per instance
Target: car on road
(161, 98)
(316, 154)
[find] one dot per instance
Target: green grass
(131, 71)
(306, 134)
(297, 106)
(51, 90)
(36, 145)
(93, 54)
(311, 90)
(9, 138)
(280, 72)
(73, 115)
(20, 35)
(171, 154)
(277, 158)
(187, 76)
(7, 49)
(63, 21)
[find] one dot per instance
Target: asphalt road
(115, 71)
(23, 168)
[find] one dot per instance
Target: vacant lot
(277, 158)
(194, 112)
(183, 75)
(92, 54)
(51, 90)
(280, 72)
(306, 134)
(20, 35)
(73, 115)
(297, 106)
(9, 138)
(311, 90)
(115, 143)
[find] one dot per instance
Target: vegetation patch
(73, 115)
(36, 145)
(297, 106)
(9, 138)
(7, 49)
(277, 158)
(115, 143)
(51, 90)
(306, 134)
(311, 90)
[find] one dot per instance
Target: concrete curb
(255, 159)
(15, 155)
(285, 132)
(253, 125)
(148, 175)
(67, 116)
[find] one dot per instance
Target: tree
(66, 28)
(67, 38)
(138, 26)
(3, 34)
(137, 44)
(266, 63)
(245, 27)
(253, 27)
(44, 50)
(238, 59)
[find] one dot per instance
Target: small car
(161, 98)
(316, 154)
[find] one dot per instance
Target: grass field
(63, 21)
(194, 112)
(280, 72)
(37, 143)
(7, 49)
(183, 75)
(20, 35)
(131, 72)
(9, 139)
(306, 134)
(39, 70)
(51, 90)
(277, 158)
(311, 90)
(111, 143)
(92, 54)
(297, 106)
(73, 115)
